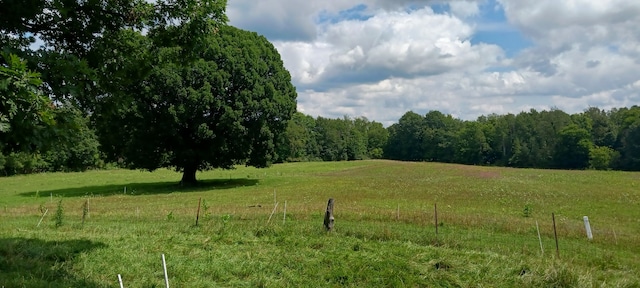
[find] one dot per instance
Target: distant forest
(593, 139)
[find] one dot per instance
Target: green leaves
(31, 126)
(5, 126)
(197, 106)
(572, 150)
(25, 113)
(17, 81)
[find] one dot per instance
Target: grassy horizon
(384, 233)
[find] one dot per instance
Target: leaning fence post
(43, 214)
(328, 216)
(587, 227)
(555, 234)
(166, 276)
(198, 213)
(273, 211)
(539, 238)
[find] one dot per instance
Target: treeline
(306, 139)
(593, 139)
(324, 139)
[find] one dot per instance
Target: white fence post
(587, 227)
(166, 276)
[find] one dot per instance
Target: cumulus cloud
(382, 58)
(561, 23)
(463, 95)
(588, 50)
(296, 20)
(275, 19)
(390, 44)
(464, 9)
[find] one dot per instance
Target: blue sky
(494, 28)
(358, 12)
(382, 58)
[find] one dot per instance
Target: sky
(382, 58)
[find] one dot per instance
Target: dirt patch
(478, 172)
(486, 174)
(351, 171)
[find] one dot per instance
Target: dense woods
(324, 139)
(593, 139)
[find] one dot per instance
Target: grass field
(384, 233)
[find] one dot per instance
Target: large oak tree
(198, 104)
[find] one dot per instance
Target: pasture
(384, 231)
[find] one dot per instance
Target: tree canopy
(25, 113)
(223, 105)
(594, 139)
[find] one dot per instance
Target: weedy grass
(384, 233)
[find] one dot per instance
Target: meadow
(384, 235)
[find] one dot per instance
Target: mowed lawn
(384, 234)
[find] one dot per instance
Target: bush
(22, 163)
(602, 158)
(77, 148)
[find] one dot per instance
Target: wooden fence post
(198, 213)
(435, 212)
(328, 216)
(555, 234)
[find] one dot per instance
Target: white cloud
(294, 19)
(284, 19)
(305, 61)
(585, 51)
(382, 58)
(389, 44)
(464, 9)
(465, 96)
(558, 23)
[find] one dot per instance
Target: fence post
(328, 216)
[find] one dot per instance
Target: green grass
(486, 239)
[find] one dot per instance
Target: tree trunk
(189, 175)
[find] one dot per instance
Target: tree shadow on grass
(38, 263)
(144, 188)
